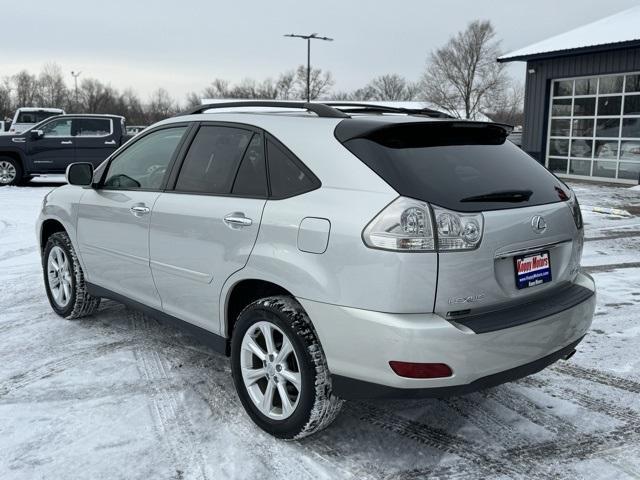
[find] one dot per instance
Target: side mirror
(36, 134)
(80, 174)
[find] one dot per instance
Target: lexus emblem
(538, 224)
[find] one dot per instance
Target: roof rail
(349, 107)
(320, 109)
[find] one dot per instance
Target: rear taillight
(408, 225)
(575, 210)
(421, 370)
(405, 225)
(458, 231)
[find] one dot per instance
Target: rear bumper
(359, 344)
(351, 389)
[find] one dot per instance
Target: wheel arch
(15, 155)
(48, 228)
(242, 293)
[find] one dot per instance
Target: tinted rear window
(34, 117)
(456, 166)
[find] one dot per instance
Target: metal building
(582, 100)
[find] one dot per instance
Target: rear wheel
(280, 371)
(10, 171)
(64, 279)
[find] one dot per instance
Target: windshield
(468, 168)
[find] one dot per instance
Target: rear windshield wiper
(514, 196)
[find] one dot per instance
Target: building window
(594, 127)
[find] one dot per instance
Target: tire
(313, 406)
(10, 171)
(64, 279)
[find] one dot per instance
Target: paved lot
(119, 395)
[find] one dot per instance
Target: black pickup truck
(49, 146)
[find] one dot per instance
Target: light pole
(75, 76)
(308, 38)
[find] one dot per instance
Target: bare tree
(52, 90)
(161, 106)
(319, 85)
(132, 108)
(392, 87)
(463, 77)
(193, 99)
(96, 97)
(509, 106)
(25, 89)
(286, 85)
(6, 102)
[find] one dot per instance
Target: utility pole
(75, 76)
(308, 38)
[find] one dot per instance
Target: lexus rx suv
(332, 251)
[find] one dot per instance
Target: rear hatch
(531, 229)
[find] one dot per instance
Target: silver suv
(335, 252)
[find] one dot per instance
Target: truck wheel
(64, 279)
(280, 371)
(10, 171)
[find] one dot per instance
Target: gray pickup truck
(51, 145)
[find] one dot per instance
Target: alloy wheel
(7, 172)
(59, 275)
(270, 370)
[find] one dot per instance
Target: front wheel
(64, 279)
(280, 371)
(10, 171)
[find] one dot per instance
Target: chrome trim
(524, 251)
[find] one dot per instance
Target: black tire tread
(83, 303)
(326, 406)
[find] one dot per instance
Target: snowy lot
(119, 395)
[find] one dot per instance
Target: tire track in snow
(223, 402)
(597, 405)
(170, 418)
(486, 419)
(597, 376)
(54, 367)
(486, 460)
(80, 392)
(17, 253)
(531, 411)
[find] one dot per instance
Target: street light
(75, 76)
(308, 38)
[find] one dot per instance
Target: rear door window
(288, 177)
(213, 160)
(251, 179)
(92, 127)
(463, 167)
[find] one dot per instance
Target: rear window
(34, 117)
(463, 167)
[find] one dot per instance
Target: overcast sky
(183, 44)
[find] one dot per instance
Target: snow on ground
(119, 395)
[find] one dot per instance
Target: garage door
(594, 128)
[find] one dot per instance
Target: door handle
(237, 219)
(139, 210)
(110, 142)
(66, 142)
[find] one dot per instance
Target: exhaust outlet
(570, 354)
